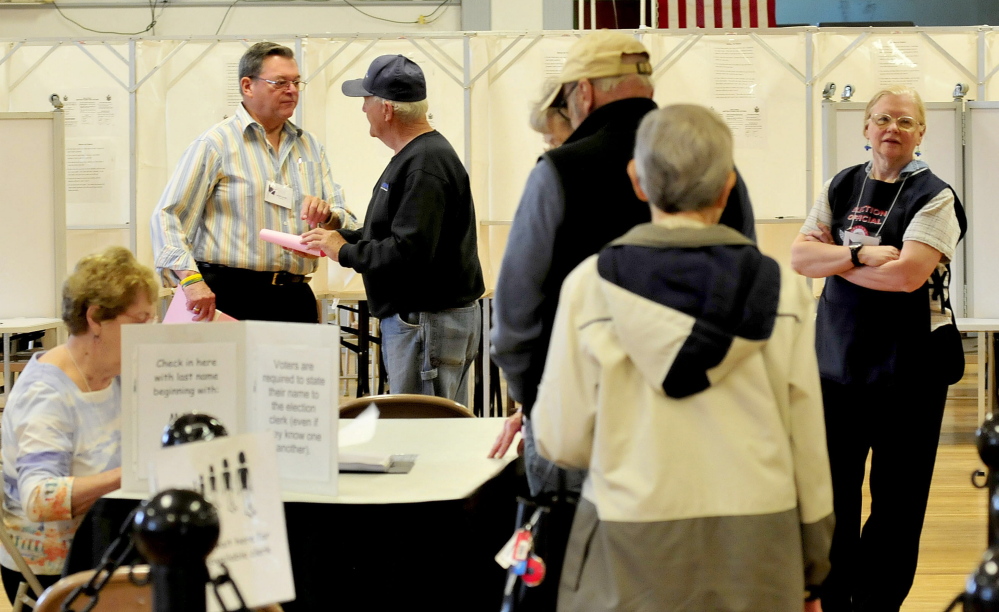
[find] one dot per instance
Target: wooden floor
(954, 535)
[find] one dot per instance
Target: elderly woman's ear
(633, 175)
(92, 322)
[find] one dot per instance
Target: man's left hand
(326, 240)
(315, 211)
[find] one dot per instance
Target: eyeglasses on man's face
(298, 84)
(904, 123)
(567, 90)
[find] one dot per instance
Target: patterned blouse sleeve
(820, 211)
(45, 455)
(936, 225)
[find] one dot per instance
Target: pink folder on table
(178, 312)
(290, 241)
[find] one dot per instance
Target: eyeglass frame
(916, 123)
(563, 101)
(153, 318)
(282, 83)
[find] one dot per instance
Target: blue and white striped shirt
(213, 207)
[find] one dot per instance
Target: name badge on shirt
(858, 236)
(278, 194)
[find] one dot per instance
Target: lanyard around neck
(860, 199)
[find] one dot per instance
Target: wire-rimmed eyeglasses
(904, 123)
(298, 84)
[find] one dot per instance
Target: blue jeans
(543, 476)
(430, 352)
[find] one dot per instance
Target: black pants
(873, 568)
(250, 295)
(12, 578)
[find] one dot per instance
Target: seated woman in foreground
(682, 373)
(61, 436)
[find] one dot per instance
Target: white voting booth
(982, 142)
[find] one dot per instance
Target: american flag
(717, 14)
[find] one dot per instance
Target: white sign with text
(239, 476)
(292, 387)
(254, 376)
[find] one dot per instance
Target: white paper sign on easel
(239, 475)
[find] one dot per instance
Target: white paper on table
(357, 431)
(361, 429)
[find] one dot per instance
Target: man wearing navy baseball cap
(417, 251)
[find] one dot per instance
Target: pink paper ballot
(178, 312)
(290, 241)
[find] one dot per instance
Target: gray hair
(252, 61)
(683, 157)
(606, 84)
(542, 116)
(408, 112)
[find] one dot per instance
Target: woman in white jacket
(682, 374)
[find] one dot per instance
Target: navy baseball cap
(391, 77)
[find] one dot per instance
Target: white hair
(606, 84)
(408, 112)
(683, 157)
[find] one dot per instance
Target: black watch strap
(855, 255)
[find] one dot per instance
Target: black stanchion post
(981, 593)
(192, 427)
(175, 531)
(987, 440)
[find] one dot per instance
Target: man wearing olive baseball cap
(577, 199)
(417, 251)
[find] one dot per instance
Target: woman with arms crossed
(882, 235)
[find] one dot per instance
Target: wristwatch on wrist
(855, 254)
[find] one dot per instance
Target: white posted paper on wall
(734, 63)
(897, 62)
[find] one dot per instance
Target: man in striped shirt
(252, 171)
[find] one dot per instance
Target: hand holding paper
(329, 241)
(178, 312)
(289, 241)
